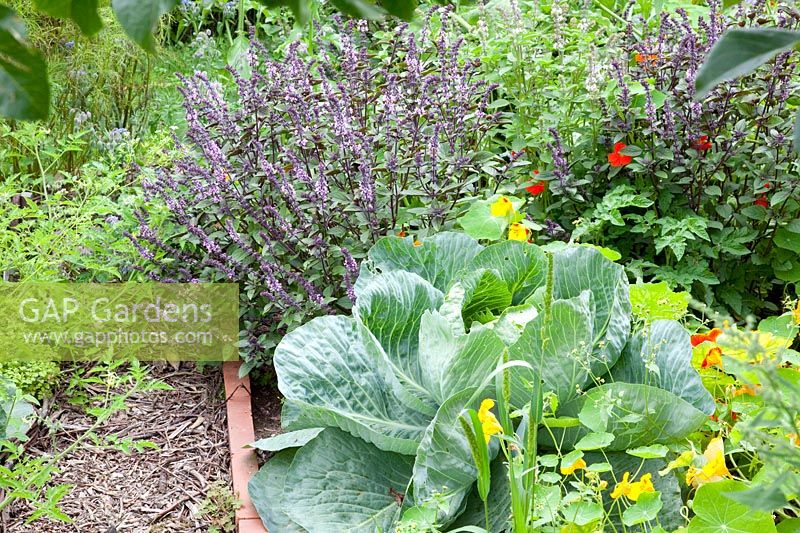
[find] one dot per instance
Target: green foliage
(740, 52)
(656, 301)
(715, 511)
(219, 507)
(24, 89)
(694, 206)
(390, 384)
(34, 378)
(16, 412)
(59, 224)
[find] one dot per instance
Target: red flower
(767, 185)
(537, 188)
(702, 144)
(762, 201)
(616, 158)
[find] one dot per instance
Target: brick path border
(244, 462)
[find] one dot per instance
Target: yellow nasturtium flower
(489, 422)
(714, 468)
(502, 207)
(632, 491)
(579, 464)
(623, 487)
(645, 484)
(517, 232)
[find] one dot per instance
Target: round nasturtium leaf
(716, 512)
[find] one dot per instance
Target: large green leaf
(638, 415)
(479, 222)
(340, 483)
(484, 295)
(523, 267)
(436, 260)
(330, 377)
(140, 17)
(451, 362)
(24, 88)
(444, 465)
(391, 307)
(83, 12)
(661, 356)
(559, 348)
(716, 512)
(401, 8)
(282, 441)
(363, 9)
(580, 268)
(739, 52)
(512, 322)
(266, 491)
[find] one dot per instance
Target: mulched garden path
(155, 490)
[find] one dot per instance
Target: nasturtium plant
(374, 401)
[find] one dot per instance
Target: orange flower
(641, 58)
(712, 358)
(402, 233)
(616, 158)
(417, 243)
(745, 389)
(711, 336)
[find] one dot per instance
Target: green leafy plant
(219, 507)
(439, 327)
(34, 378)
(24, 84)
(695, 190)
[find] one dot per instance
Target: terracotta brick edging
(244, 462)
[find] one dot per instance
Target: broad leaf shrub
(699, 194)
(374, 401)
(284, 187)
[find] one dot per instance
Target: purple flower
(281, 187)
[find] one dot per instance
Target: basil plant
(373, 400)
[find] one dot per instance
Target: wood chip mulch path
(155, 490)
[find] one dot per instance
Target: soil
(266, 404)
(152, 490)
